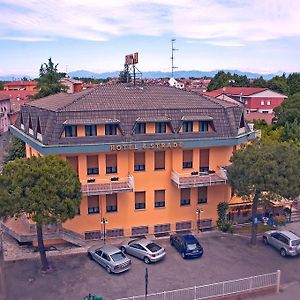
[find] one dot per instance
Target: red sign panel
(132, 59)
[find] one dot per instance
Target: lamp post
(198, 214)
(103, 221)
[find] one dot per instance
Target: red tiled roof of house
(17, 97)
(235, 90)
(4, 96)
(21, 82)
(259, 116)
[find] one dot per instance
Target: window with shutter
(140, 200)
(187, 159)
(204, 160)
(111, 203)
(73, 161)
(159, 160)
(202, 195)
(139, 161)
(185, 197)
(159, 198)
(93, 204)
(92, 165)
(111, 163)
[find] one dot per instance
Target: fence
(219, 289)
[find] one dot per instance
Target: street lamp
(199, 211)
(104, 221)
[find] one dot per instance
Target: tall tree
(44, 188)
(293, 81)
(289, 111)
(261, 169)
(279, 84)
(16, 150)
(49, 80)
(260, 82)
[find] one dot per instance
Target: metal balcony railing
(111, 185)
(199, 179)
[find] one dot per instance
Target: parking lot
(226, 257)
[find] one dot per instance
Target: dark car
(187, 245)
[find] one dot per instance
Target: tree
(46, 189)
(220, 80)
(16, 150)
(291, 131)
(259, 82)
(261, 169)
(279, 84)
(124, 76)
(49, 80)
(293, 81)
(289, 110)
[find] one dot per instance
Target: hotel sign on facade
(145, 146)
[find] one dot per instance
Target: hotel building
(150, 158)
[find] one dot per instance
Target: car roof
(291, 235)
(109, 249)
(189, 238)
(143, 242)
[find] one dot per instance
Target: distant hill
(177, 74)
(149, 74)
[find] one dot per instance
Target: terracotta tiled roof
(21, 83)
(4, 96)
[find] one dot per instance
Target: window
(268, 102)
(140, 128)
(22, 121)
(185, 197)
(30, 129)
(111, 163)
(92, 165)
(140, 200)
(188, 126)
(139, 161)
(38, 131)
(203, 126)
(90, 130)
(204, 160)
(93, 204)
(159, 198)
(160, 127)
(262, 102)
(187, 161)
(111, 203)
(70, 131)
(111, 129)
(159, 157)
(202, 195)
(73, 161)
(77, 212)
(105, 256)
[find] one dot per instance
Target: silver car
(287, 242)
(110, 257)
(144, 249)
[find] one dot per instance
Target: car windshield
(296, 243)
(118, 256)
(192, 246)
(153, 247)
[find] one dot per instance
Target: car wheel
(183, 255)
(108, 270)
(123, 249)
(171, 242)
(90, 256)
(265, 240)
(147, 260)
(282, 252)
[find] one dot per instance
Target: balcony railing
(199, 179)
(112, 185)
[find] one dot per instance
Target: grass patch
(246, 229)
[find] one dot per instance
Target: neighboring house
(4, 113)
(74, 86)
(261, 100)
(20, 85)
(17, 98)
(148, 157)
(176, 83)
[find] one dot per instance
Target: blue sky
(249, 35)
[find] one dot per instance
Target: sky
(248, 35)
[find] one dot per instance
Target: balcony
(93, 186)
(199, 179)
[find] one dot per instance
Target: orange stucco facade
(149, 180)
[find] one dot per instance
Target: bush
(227, 227)
(279, 220)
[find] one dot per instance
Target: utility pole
(172, 57)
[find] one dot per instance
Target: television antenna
(172, 57)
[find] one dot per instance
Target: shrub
(279, 220)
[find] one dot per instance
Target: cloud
(217, 22)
